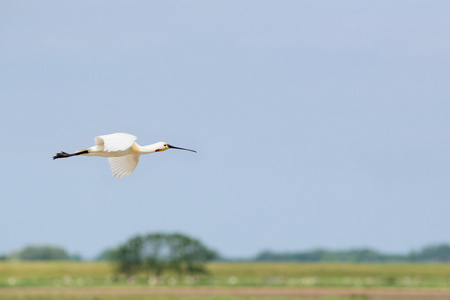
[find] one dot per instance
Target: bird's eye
(165, 145)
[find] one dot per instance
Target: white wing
(123, 165)
(115, 142)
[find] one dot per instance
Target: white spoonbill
(121, 150)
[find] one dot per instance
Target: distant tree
(157, 253)
(129, 256)
(434, 253)
(40, 253)
(187, 255)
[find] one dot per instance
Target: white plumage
(115, 142)
(123, 165)
(121, 150)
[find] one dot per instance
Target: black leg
(63, 154)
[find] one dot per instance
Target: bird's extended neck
(148, 149)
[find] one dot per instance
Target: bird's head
(162, 146)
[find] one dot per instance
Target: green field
(88, 280)
(73, 274)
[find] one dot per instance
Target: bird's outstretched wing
(123, 165)
(115, 142)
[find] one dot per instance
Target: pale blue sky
(317, 123)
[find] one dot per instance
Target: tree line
(41, 253)
(433, 253)
(159, 252)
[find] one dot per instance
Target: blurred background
(318, 124)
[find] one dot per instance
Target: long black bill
(170, 146)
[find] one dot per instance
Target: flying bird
(121, 150)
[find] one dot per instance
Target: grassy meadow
(96, 280)
(90, 274)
